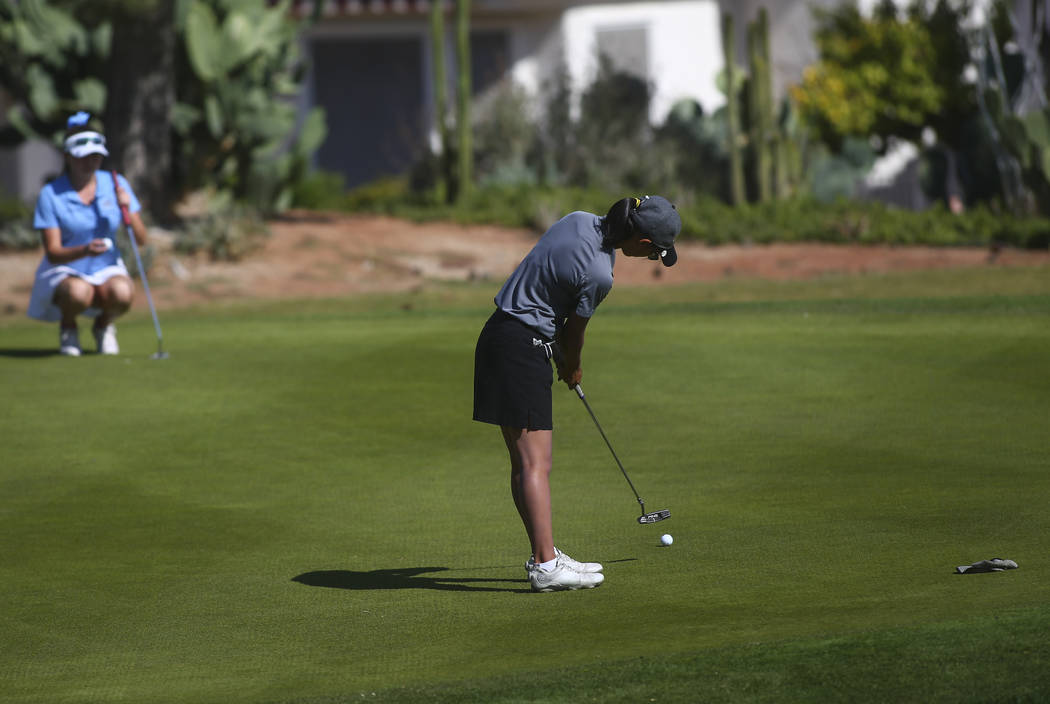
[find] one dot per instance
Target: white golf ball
(666, 539)
(109, 243)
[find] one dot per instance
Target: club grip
(123, 210)
(579, 390)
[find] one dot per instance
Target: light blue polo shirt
(60, 206)
(568, 271)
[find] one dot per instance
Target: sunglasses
(655, 251)
(81, 141)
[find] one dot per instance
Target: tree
(887, 75)
(141, 98)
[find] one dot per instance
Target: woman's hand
(123, 197)
(570, 343)
(134, 220)
(97, 246)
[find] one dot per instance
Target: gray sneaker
(562, 577)
(585, 567)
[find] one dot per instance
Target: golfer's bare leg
(113, 298)
(531, 456)
(73, 296)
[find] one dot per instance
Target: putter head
(159, 355)
(654, 516)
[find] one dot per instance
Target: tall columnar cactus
(790, 146)
(464, 128)
(437, 44)
(763, 136)
(737, 192)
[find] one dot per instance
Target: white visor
(84, 143)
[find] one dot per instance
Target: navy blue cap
(656, 218)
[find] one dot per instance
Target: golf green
(296, 506)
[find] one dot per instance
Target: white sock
(549, 565)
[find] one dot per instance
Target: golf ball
(109, 243)
(666, 539)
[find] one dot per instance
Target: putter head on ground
(654, 516)
(159, 355)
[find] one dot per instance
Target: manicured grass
(296, 507)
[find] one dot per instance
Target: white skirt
(49, 276)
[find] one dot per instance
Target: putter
(160, 353)
(645, 517)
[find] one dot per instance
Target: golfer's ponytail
(617, 225)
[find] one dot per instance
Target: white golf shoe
(69, 342)
(585, 567)
(562, 577)
(106, 339)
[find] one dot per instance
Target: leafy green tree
(141, 95)
(888, 75)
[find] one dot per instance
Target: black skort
(512, 375)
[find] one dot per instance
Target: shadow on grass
(404, 578)
(23, 353)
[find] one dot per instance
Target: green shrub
(853, 222)
(226, 235)
(16, 235)
(710, 220)
(12, 208)
(16, 225)
(384, 195)
(321, 190)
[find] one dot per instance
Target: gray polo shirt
(568, 271)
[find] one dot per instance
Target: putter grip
(123, 210)
(579, 390)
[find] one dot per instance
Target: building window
(627, 49)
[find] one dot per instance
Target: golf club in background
(160, 353)
(652, 517)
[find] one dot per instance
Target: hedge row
(713, 222)
(703, 219)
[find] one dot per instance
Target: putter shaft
(579, 392)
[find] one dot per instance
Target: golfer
(81, 272)
(547, 302)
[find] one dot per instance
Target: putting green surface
(296, 506)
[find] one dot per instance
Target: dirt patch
(320, 255)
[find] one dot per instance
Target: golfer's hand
(123, 197)
(97, 246)
(570, 377)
